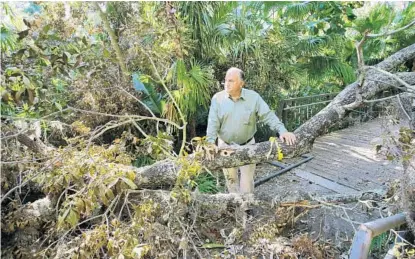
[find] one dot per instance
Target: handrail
(305, 105)
(311, 96)
(367, 231)
(295, 111)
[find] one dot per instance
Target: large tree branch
(395, 60)
(36, 145)
(336, 110)
(408, 86)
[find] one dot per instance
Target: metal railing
(295, 111)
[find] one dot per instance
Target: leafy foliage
(152, 99)
(87, 180)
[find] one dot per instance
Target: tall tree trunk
(192, 126)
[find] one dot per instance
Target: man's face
(233, 82)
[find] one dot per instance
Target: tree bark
(36, 145)
(114, 42)
(374, 83)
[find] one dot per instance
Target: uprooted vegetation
(94, 208)
(102, 103)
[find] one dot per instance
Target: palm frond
(299, 10)
(193, 86)
(8, 39)
(326, 65)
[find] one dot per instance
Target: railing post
(280, 110)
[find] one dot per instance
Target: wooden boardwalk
(344, 162)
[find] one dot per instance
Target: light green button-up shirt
(236, 121)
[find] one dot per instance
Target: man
(233, 115)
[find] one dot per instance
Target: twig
(145, 135)
(381, 99)
(59, 199)
(138, 100)
(114, 41)
(105, 130)
(359, 50)
(35, 119)
(362, 74)
(187, 234)
(403, 239)
(28, 180)
(403, 108)
(122, 206)
(319, 233)
(136, 117)
(391, 32)
(25, 161)
(386, 83)
(299, 205)
(349, 220)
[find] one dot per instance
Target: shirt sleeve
(268, 117)
(213, 122)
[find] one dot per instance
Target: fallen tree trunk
(374, 83)
(335, 111)
(211, 206)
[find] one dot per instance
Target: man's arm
(213, 122)
(268, 117)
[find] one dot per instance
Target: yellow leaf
(131, 175)
(129, 183)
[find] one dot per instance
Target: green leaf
(72, 218)
(152, 99)
(106, 53)
(109, 194)
(26, 82)
(66, 56)
(45, 61)
(46, 29)
(13, 71)
(23, 34)
(84, 41)
(65, 213)
(58, 106)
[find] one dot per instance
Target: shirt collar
(243, 94)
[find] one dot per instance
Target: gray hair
(240, 72)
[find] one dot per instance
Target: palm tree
(192, 90)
